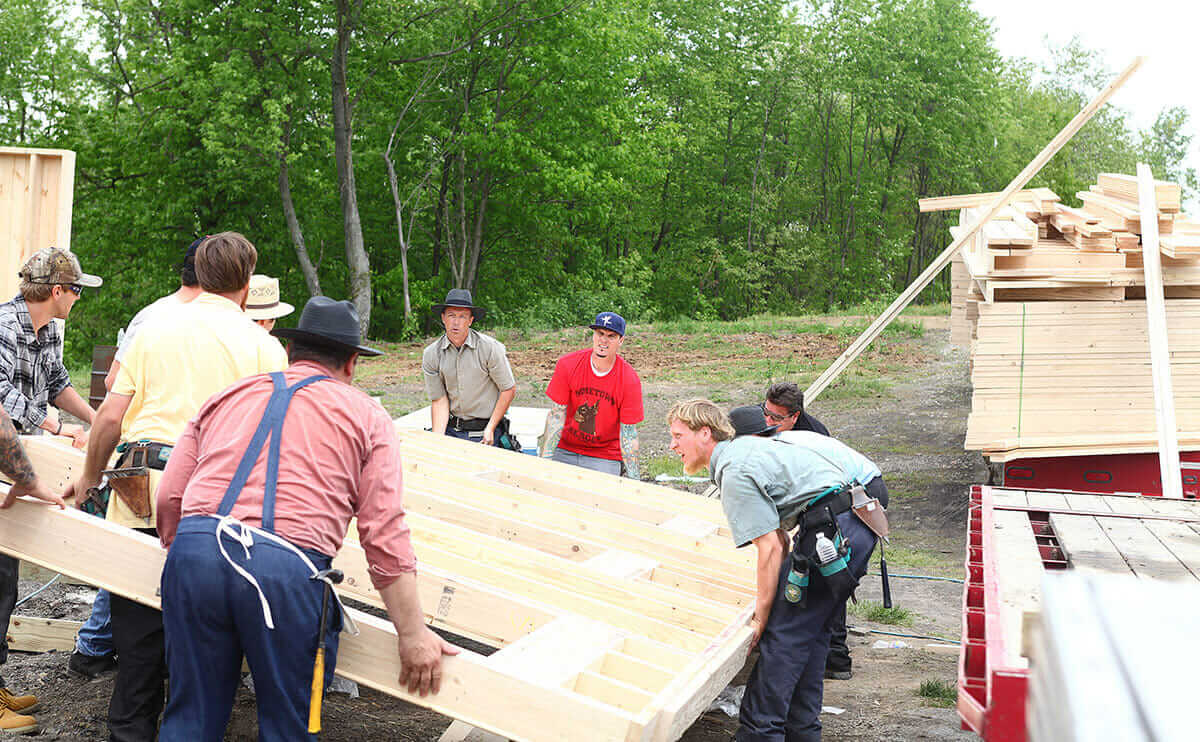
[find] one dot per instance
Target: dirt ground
(914, 431)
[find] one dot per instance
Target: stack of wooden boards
(1050, 301)
(620, 609)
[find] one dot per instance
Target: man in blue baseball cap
(598, 404)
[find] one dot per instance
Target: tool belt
(467, 424)
(503, 437)
(130, 478)
(820, 552)
(838, 502)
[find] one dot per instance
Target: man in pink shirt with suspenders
(254, 504)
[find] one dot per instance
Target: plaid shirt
(31, 371)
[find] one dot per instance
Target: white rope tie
(244, 535)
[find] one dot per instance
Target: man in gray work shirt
(767, 488)
(467, 375)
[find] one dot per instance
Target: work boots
(18, 704)
(12, 713)
(13, 723)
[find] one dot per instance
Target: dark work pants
(468, 436)
(9, 576)
(137, 697)
(214, 616)
(839, 653)
(783, 696)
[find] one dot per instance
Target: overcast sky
(1120, 30)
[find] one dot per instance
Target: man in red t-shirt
(598, 404)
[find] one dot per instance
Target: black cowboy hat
(750, 420)
(459, 298)
(330, 323)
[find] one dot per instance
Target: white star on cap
(606, 319)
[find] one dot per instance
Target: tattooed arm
(554, 428)
(629, 450)
(15, 464)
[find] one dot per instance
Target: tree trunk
(311, 279)
(356, 253)
(391, 171)
(472, 267)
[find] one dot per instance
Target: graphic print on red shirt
(597, 406)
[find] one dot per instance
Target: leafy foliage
(702, 159)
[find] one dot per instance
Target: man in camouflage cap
(32, 376)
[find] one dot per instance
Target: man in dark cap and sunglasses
(32, 377)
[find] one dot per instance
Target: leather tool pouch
(869, 510)
(131, 480)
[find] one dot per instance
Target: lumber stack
(1077, 375)
(1050, 300)
(1040, 249)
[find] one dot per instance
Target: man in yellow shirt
(176, 362)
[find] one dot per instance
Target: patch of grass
(707, 333)
(81, 379)
(856, 386)
(910, 485)
(668, 464)
(870, 610)
(939, 693)
(910, 558)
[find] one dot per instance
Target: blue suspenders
(271, 426)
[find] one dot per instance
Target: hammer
(330, 577)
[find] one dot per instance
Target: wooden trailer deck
(1014, 537)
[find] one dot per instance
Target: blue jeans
(608, 466)
(783, 696)
(95, 636)
(213, 618)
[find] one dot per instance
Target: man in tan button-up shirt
(467, 375)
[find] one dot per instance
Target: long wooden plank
(1143, 552)
(860, 344)
(1087, 546)
(33, 634)
(1160, 359)
(967, 201)
(1180, 541)
(1019, 566)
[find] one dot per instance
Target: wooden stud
(1160, 359)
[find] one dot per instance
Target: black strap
(836, 502)
(467, 424)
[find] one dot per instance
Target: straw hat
(263, 301)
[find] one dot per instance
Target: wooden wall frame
(37, 188)
(622, 608)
